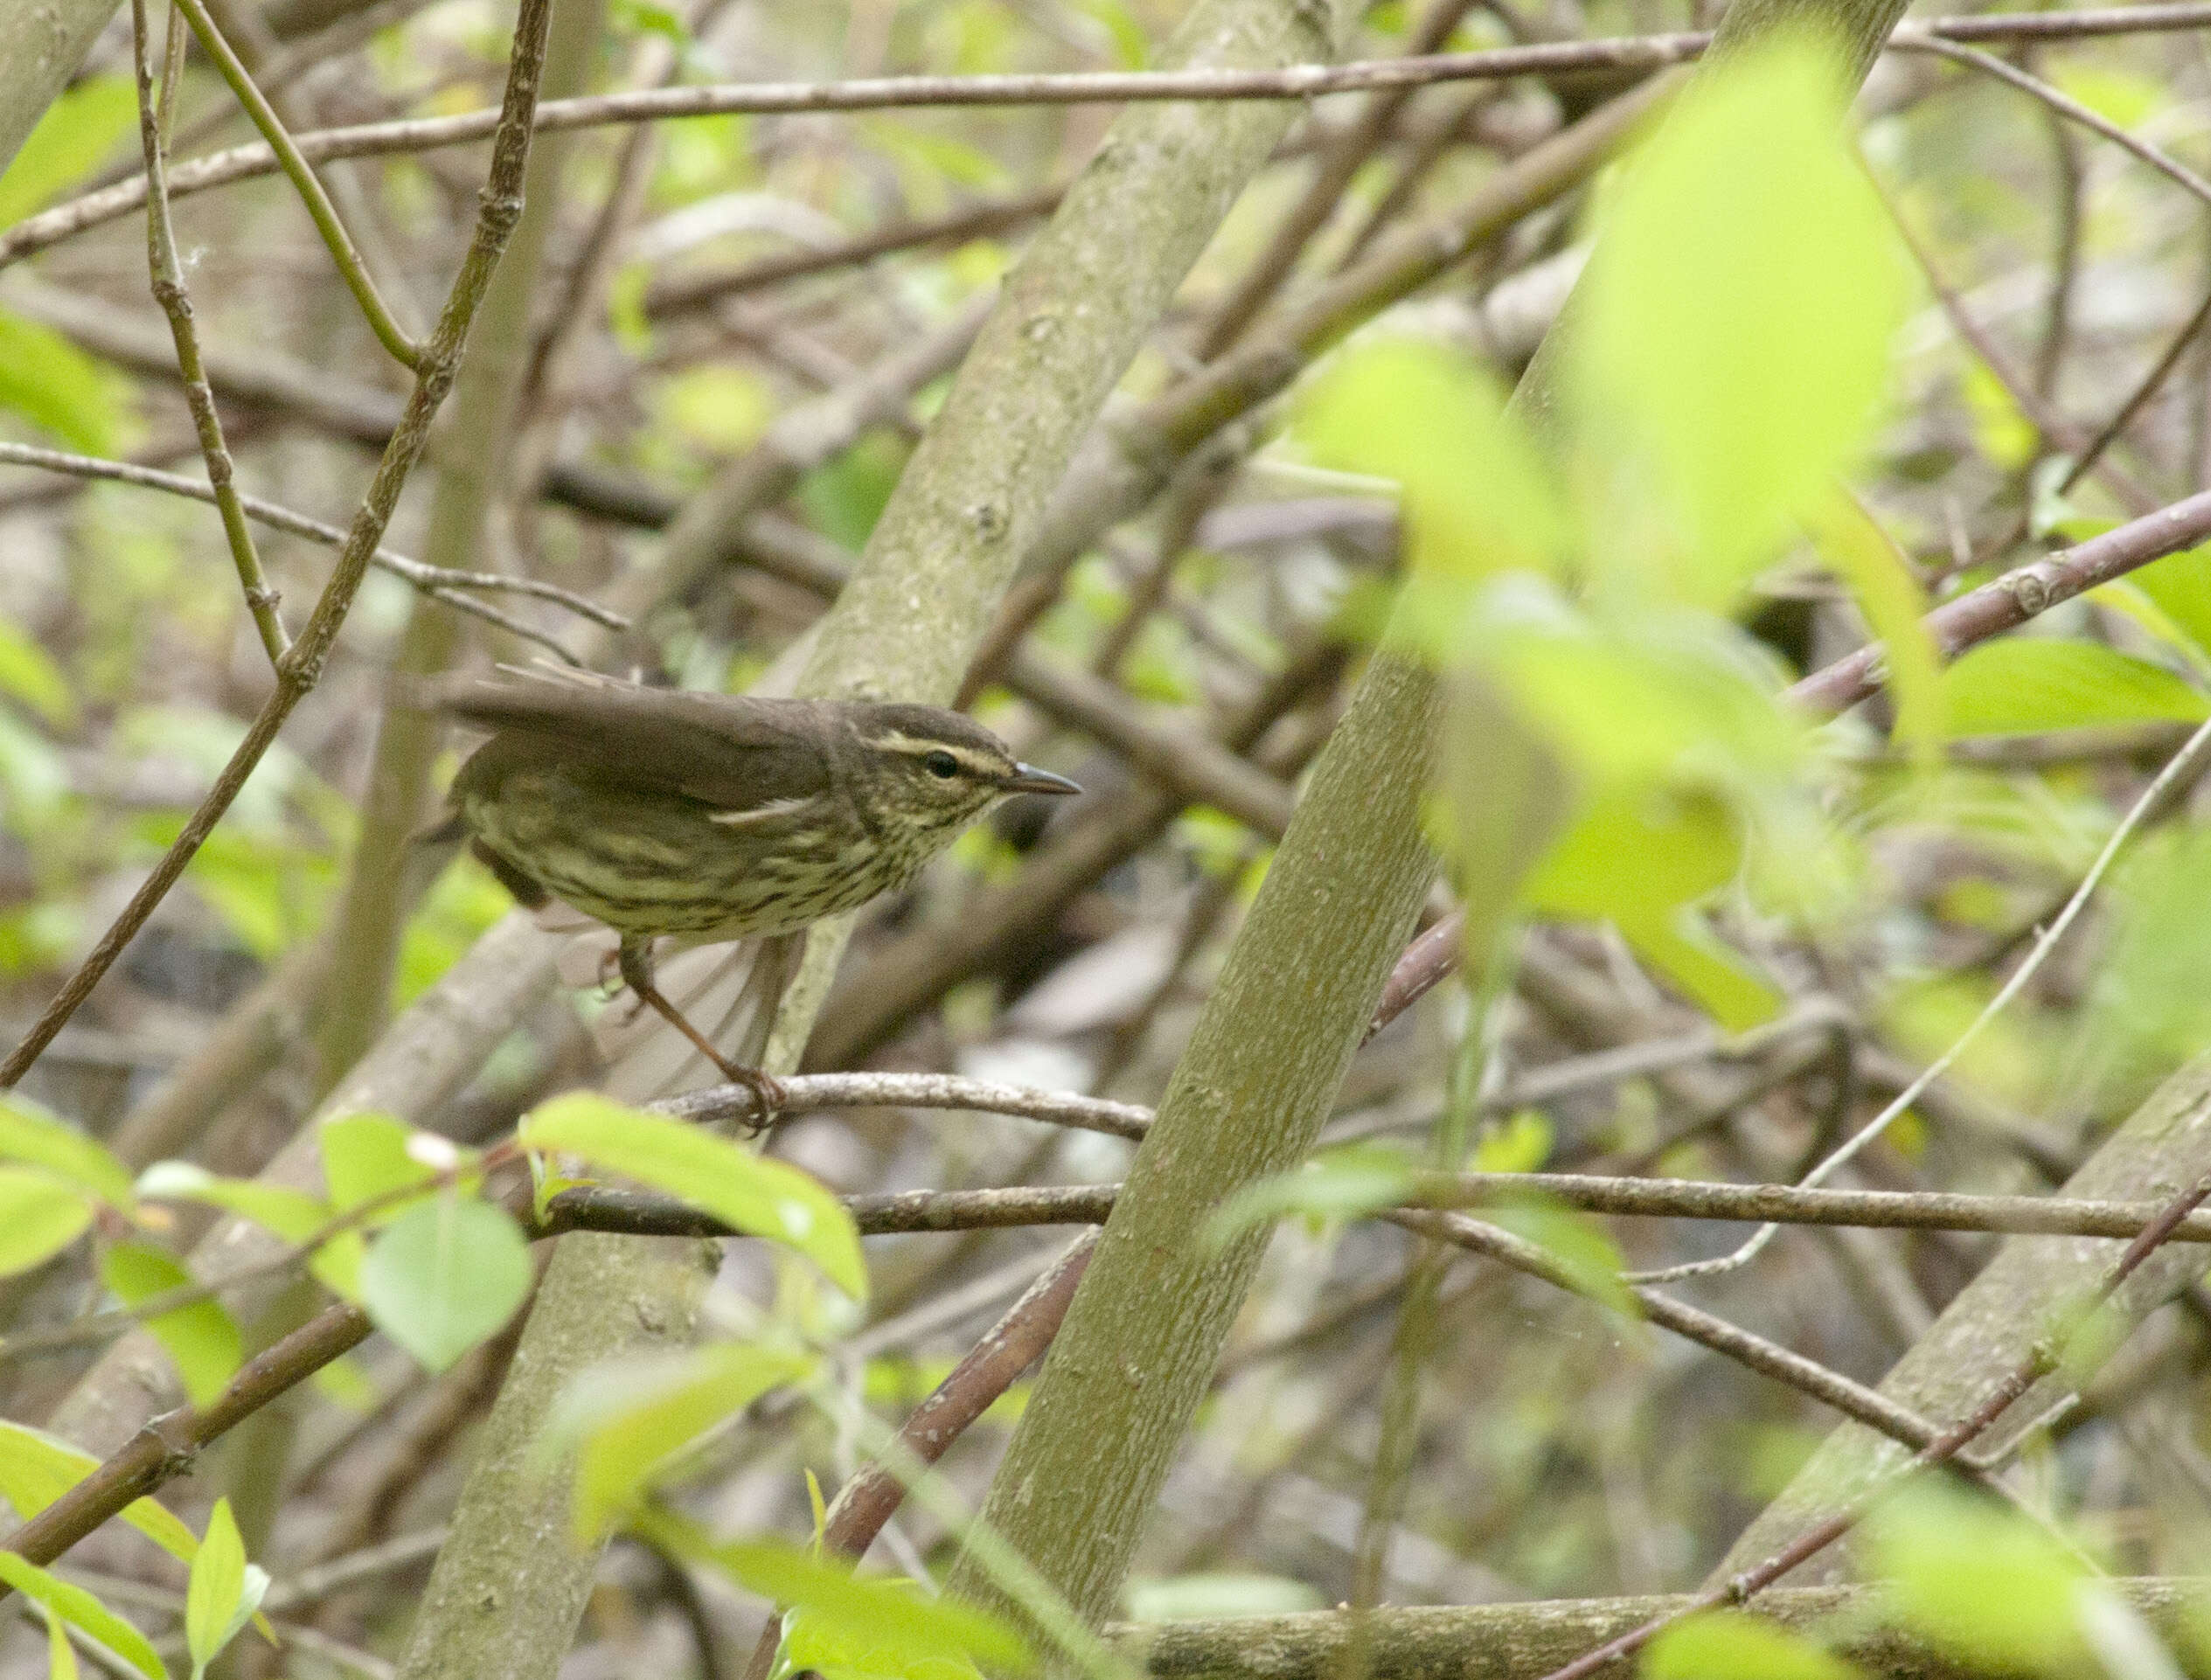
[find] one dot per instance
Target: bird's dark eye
(942, 765)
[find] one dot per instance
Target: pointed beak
(1027, 778)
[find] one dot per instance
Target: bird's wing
(725, 751)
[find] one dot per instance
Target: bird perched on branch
(713, 816)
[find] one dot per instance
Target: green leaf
(28, 672)
(745, 1191)
(36, 1469)
(1588, 1261)
(1521, 1143)
(73, 139)
(292, 1214)
(1507, 798)
(84, 1613)
(1336, 1183)
(1981, 1582)
(29, 1133)
(627, 1422)
(39, 1216)
(1705, 969)
(49, 381)
(444, 1275)
(1727, 1645)
(2180, 585)
(872, 1615)
(1476, 498)
(1888, 592)
(62, 1656)
(2027, 685)
(202, 1338)
(224, 1592)
(366, 1158)
(1736, 315)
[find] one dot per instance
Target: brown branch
(302, 666)
(166, 1447)
(2006, 602)
(992, 1366)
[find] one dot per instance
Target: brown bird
(714, 817)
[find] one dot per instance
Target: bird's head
(937, 769)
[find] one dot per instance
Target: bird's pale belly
(664, 867)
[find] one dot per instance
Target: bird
(713, 816)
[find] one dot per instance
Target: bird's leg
(636, 970)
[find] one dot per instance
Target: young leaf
(1727, 1645)
(29, 1133)
(877, 1614)
(202, 1338)
(746, 1192)
(49, 381)
(39, 1216)
(84, 1613)
(62, 1656)
(368, 1157)
(224, 1590)
(1475, 496)
(36, 1469)
(445, 1274)
(1588, 1259)
(1981, 1582)
(2024, 684)
(1336, 1182)
(1736, 315)
(2180, 585)
(28, 673)
(292, 1214)
(628, 1420)
(72, 138)
(1888, 594)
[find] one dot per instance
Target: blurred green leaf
(444, 1275)
(1736, 316)
(1521, 1143)
(74, 137)
(368, 1157)
(224, 1590)
(39, 1216)
(746, 1192)
(49, 381)
(36, 1469)
(1980, 1582)
(1727, 1645)
(1336, 1183)
(1880, 580)
(626, 1422)
(1194, 1598)
(1589, 1261)
(1507, 799)
(28, 673)
(2023, 686)
(292, 1214)
(84, 1613)
(31, 1135)
(1474, 497)
(878, 1626)
(62, 1656)
(2180, 586)
(203, 1339)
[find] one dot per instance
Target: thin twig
(301, 667)
(2005, 602)
(2061, 103)
(168, 277)
(381, 322)
(1627, 53)
(2182, 764)
(2040, 1362)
